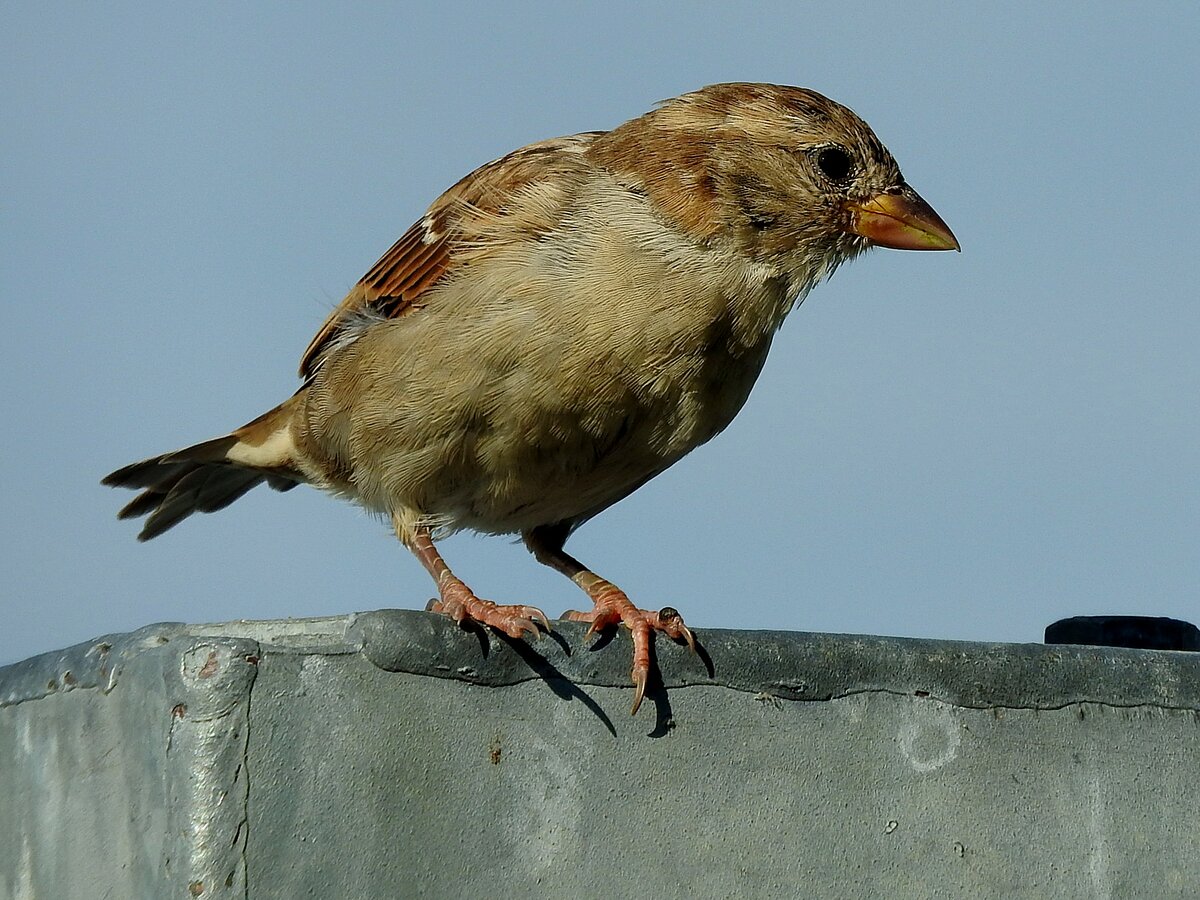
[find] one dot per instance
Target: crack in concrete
(913, 695)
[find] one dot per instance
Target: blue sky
(959, 446)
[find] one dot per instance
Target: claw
(518, 626)
(532, 617)
(689, 637)
(574, 615)
(597, 621)
(639, 683)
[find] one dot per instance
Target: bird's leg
(610, 605)
(457, 600)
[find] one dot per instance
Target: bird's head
(787, 175)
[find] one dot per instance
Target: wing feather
(499, 202)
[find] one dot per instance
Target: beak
(901, 220)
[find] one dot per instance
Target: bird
(561, 326)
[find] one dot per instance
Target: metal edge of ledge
(785, 665)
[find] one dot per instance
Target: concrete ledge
(390, 753)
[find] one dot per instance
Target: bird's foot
(460, 603)
(612, 607)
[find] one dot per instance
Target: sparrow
(559, 327)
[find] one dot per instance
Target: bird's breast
(548, 383)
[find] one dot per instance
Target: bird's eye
(835, 163)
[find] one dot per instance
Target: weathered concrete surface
(390, 754)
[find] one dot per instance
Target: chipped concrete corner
(391, 754)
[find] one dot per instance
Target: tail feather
(208, 476)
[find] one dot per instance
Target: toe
(670, 623)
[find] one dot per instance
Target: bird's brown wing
(509, 199)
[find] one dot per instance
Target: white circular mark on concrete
(930, 737)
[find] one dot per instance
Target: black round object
(1141, 632)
